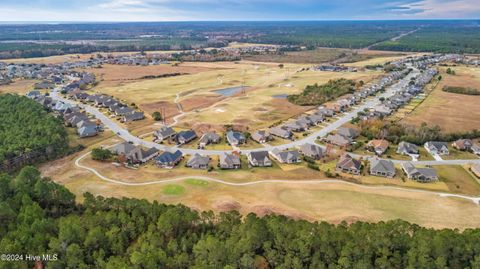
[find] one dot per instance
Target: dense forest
(319, 94)
(461, 90)
(39, 217)
(54, 39)
(439, 38)
(396, 132)
(26, 127)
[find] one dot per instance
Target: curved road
(345, 118)
(475, 200)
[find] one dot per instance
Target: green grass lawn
(196, 182)
(173, 189)
(458, 154)
(458, 179)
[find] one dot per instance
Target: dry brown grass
(452, 112)
(21, 86)
(117, 75)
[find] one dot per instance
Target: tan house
(379, 146)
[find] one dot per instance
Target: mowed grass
(452, 112)
(173, 189)
(196, 182)
(20, 87)
(458, 179)
(255, 108)
(332, 202)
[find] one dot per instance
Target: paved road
(345, 118)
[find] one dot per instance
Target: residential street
(345, 118)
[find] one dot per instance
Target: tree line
(396, 132)
(26, 127)
(318, 94)
(39, 216)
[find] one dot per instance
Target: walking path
(343, 119)
(476, 200)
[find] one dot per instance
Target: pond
(230, 91)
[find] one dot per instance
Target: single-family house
(122, 148)
(419, 174)
(165, 132)
(348, 164)
(184, 137)
(348, 132)
(316, 118)
(312, 151)
(289, 156)
(229, 161)
(87, 131)
(235, 138)
(259, 159)
(198, 161)
(326, 112)
(294, 126)
(134, 116)
(383, 168)
(338, 140)
(463, 144)
(33, 94)
(280, 132)
(122, 110)
(208, 138)
(261, 136)
(378, 146)
(439, 148)
(169, 159)
(405, 148)
(140, 155)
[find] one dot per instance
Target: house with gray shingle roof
(383, 168)
(338, 140)
(169, 159)
(229, 161)
(348, 164)
(295, 126)
(406, 148)
(165, 132)
(419, 174)
(235, 138)
(259, 159)
(198, 161)
(313, 151)
(207, 139)
(87, 131)
(439, 148)
(289, 156)
(280, 132)
(134, 116)
(140, 155)
(348, 132)
(261, 136)
(123, 148)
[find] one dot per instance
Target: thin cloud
(174, 10)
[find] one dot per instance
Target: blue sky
(175, 10)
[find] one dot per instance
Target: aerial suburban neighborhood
(282, 144)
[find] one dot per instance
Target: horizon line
(246, 20)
